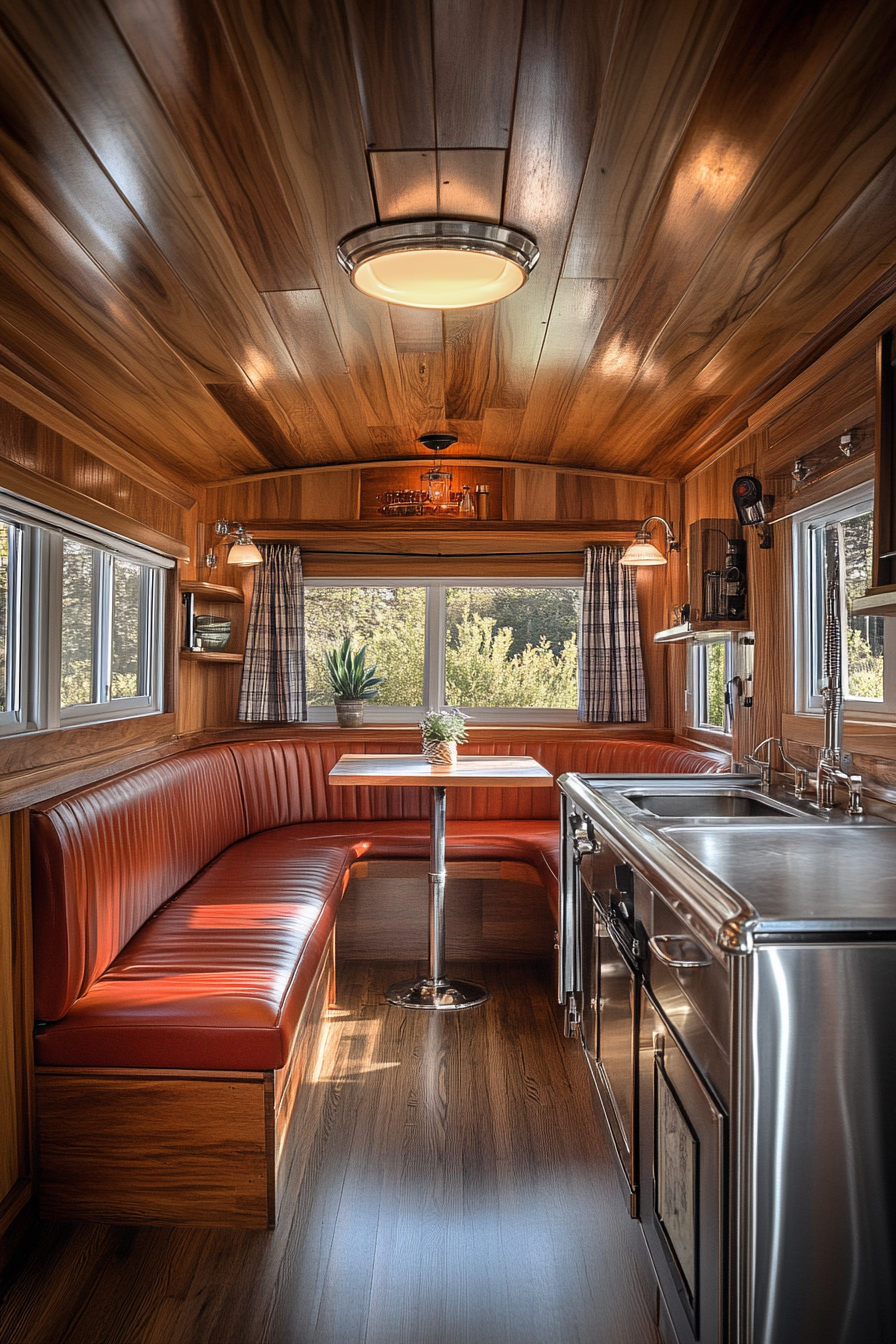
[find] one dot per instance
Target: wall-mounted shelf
(211, 592)
(876, 602)
(194, 657)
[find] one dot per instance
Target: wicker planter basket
(440, 753)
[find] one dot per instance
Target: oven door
(610, 1018)
(683, 1187)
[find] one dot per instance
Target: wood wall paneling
(404, 183)
(557, 99)
(475, 50)
(884, 566)
(182, 49)
(471, 183)
(720, 166)
(389, 38)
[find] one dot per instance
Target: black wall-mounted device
(747, 493)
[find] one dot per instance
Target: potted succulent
(442, 729)
(353, 682)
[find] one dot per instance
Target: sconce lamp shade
(642, 553)
(244, 553)
(438, 263)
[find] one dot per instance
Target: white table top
(493, 771)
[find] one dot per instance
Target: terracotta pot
(350, 713)
(440, 753)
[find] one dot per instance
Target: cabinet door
(683, 1183)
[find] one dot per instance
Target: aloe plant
(350, 676)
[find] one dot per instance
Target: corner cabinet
(208, 685)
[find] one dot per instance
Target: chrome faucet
(764, 767)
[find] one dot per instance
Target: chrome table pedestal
(436, 991)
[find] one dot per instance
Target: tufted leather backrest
(286, 781)
(105, 858)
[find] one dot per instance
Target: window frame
(18, 548)
(808, 599)
(38, 635)
(699, 679)
(435, 634)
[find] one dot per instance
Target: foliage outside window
(868, 667)
(80, 624)
(487, 647)
(712, 668)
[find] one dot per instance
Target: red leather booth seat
(181, 910)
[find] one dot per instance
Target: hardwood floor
(450, 1184)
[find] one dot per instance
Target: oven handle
(658, 945)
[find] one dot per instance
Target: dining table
(437, 991)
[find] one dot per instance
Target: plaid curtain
(611, 672)
(273, 685)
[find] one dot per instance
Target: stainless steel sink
(718, 803)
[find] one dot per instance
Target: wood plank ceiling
(710, 183)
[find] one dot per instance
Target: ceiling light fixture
(642, 550)
(438, 263)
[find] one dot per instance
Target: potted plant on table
(442, 729)
(353, 682)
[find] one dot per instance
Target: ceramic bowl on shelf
(212, 632)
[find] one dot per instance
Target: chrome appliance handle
(657, 946)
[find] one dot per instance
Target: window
(11, 624)
(712, 666)
(507, 650)
(868, 660)
(81, 622)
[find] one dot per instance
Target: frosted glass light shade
(642, 553)
(244, 553)
(438, 263)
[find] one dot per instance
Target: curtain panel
(611, 668)
(273, 683)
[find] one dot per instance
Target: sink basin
(730, 803)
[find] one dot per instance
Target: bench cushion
(217, 978)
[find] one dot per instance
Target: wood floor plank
(448, 1181)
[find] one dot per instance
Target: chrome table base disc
(445, 995)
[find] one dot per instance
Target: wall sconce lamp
(642, 550)
(243, 552)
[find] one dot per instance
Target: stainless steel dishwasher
(766, 1090)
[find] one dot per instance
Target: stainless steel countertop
(802, 875)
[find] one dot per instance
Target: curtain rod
(451, 555)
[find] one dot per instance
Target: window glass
(715, 710)
(512, 647)
(5, 623)
(864, 634)
(869, 658)
(128, 620)
(80, 570)
(391, 622)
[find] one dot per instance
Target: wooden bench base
(173, 1147)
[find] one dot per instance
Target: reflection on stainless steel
(823, 1216)
(719, 803)
(767, 1064)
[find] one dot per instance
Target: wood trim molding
(21, 481)
(377, 464)
(48, 412)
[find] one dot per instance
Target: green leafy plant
(350, 676)
(443, 725)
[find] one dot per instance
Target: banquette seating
(184, 918)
